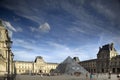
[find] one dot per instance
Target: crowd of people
(92, 76)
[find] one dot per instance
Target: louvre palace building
(38, 66)
(6, 55)
(9, 67)
(107, 60)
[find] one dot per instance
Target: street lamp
(12, 65)
(8, 45)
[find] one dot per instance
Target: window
(115, 63)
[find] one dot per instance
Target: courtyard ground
(65, 77)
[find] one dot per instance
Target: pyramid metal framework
(70, 66)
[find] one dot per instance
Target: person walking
(118, 76)
(86, 76)
(91, 76)
(109, 75)
(97, 75)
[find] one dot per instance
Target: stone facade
(115, 64)
(36, 67)
(23, 67)
(107, 60)
(6, 56)
(89, 65)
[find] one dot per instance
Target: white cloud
(33, 29)
(42, 28)
(76, 29)
(27, 45)
(36, 14)
(61, 51)
(19, 29)
(29, 50)
(51, 51)
(9, 27)
(27, 56)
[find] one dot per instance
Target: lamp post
(12, 55)
(8, 45)
(33, 68)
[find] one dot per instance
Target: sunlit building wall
(107, 60)
(37, 67)
(6, 56)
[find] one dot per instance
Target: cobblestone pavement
(64, 77)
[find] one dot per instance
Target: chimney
(112, 46)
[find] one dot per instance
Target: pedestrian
(86, 75)
(41, 75)
(91, 76)
(97, 75)
(109, 75)
(118, 76)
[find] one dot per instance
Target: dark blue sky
(56, 29)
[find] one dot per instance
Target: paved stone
(65, 77)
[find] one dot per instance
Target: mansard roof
(38, 57)
(107, 46)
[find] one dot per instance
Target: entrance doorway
(113, 70)
(118, 70)
(102, 70)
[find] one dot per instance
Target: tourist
(118, 76)
(41, 75)
(97, 75)
(91, 76)
(86, 75)
(109, 75)
(49, 74)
